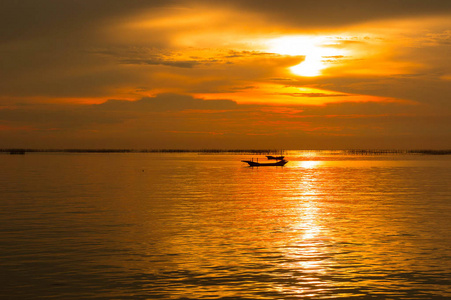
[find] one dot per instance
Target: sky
(239, 74)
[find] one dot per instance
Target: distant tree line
(228, 151)
(387, 151)
(237, 151)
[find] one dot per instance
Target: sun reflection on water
(306, 254)
(310, 164)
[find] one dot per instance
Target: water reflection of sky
(208, 227)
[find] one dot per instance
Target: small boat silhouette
(279, 163)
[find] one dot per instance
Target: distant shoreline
(230, 151)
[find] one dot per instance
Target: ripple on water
(190, 227)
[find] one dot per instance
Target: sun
(310, 67)
(314, 49)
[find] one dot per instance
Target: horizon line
(254, 151)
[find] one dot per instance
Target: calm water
(189, 226)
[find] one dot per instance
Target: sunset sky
(294, 74)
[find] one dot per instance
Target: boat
(279, 163)
(275, 157)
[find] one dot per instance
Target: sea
(197, 225)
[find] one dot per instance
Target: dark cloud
(64, 19)
(326, 13)
(178, 64)
(65, 116)
(152, 56)
(170, 120)
(421, 88)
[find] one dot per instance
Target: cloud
(158, 61)
(64, 116)
(169, 120)
(188, 58)
(319, 14)
(64, 20)
(166, 102)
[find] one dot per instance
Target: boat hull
(251, 163)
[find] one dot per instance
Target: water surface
(189, 226)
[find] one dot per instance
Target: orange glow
(277, 94)
(56, 100)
